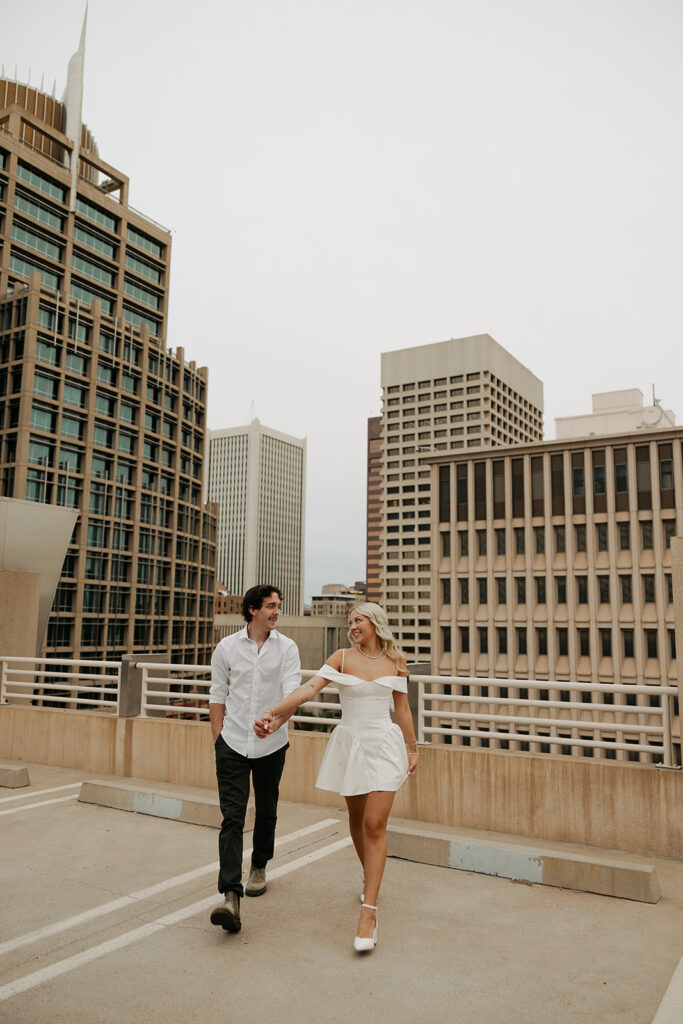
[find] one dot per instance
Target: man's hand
(265, 725)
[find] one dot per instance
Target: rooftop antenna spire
(252, 411)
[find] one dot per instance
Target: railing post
(3, 681)
(129, 702)
(667, 739)
(420, 712)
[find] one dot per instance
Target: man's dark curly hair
(255, 597)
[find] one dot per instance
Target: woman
(366, 758)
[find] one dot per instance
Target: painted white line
(143, 894)
(41, 803)
(55, 970)
(671, 1007)
(38, 792)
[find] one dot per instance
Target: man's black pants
(232, 772)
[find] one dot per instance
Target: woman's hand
(413, 759)
(267, 724)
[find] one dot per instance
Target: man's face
(266, 616)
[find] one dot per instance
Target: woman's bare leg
(356, 808)
(377, 808)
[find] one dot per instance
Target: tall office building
(257, 478)
(95, 412)
(373, 552)
(464, 393)
(553, 561)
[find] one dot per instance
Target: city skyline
(378, 182)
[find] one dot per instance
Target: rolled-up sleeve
(220, 677)
(291, 670)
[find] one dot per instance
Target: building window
(649, 589)
(464, 543)
(464, 591)
(542, 641)
(446, 639)
(539, 538)
(481, 584)
(601, 531)
(672, 644)
(626, 590)
(445, 591)
(580, 537)
(540, 589)
(560, 540)
(606, 642)
(651, 643)
(646, 535)
(500, 542)
(582, 589)
(643, 478)
(627, 642)
(624, 536)
(502, 640)
(465, 639)
(483, 640)
(603, 589)
(521, 640)
(481, 542)
(561, 586)
(445, 545)
(669, 531)
(584, 643)
(669, 588)
(562, 642)
(519, 540)
(501, 586)
(444, 494)
(520, 584)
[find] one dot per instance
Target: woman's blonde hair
(378, 617)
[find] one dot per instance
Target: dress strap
(342, 668)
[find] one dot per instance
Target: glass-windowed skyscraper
(96, 413)
(257, 477)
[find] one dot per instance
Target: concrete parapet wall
(612, 805)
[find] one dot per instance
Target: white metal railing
(542, 725)
(513, 714)
(175, 691)
(60, 681)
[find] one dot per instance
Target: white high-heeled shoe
(362, 945)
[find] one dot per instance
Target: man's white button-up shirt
(249, 682)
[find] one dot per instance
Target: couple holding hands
(366, 759)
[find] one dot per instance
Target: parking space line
(38, 792)
(150, 890)
(61, 967)
(41, 803)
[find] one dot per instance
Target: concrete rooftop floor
(453, 946)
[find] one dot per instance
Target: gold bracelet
(272, 713)
(415, 750)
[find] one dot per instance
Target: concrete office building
(96, 414)
(373, 547)
(459, 394)
(616, 412)
(553, 561)
(337, 599)
(257, 478)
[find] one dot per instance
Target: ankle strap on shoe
(369, 906)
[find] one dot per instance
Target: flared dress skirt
(366, 751)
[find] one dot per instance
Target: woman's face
(362, 630)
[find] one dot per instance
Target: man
(250, 671)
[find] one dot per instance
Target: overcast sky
(347, 177)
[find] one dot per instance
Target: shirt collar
(243, 634)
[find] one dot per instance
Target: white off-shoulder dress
(366, 751)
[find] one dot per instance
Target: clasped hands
(266, 724)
